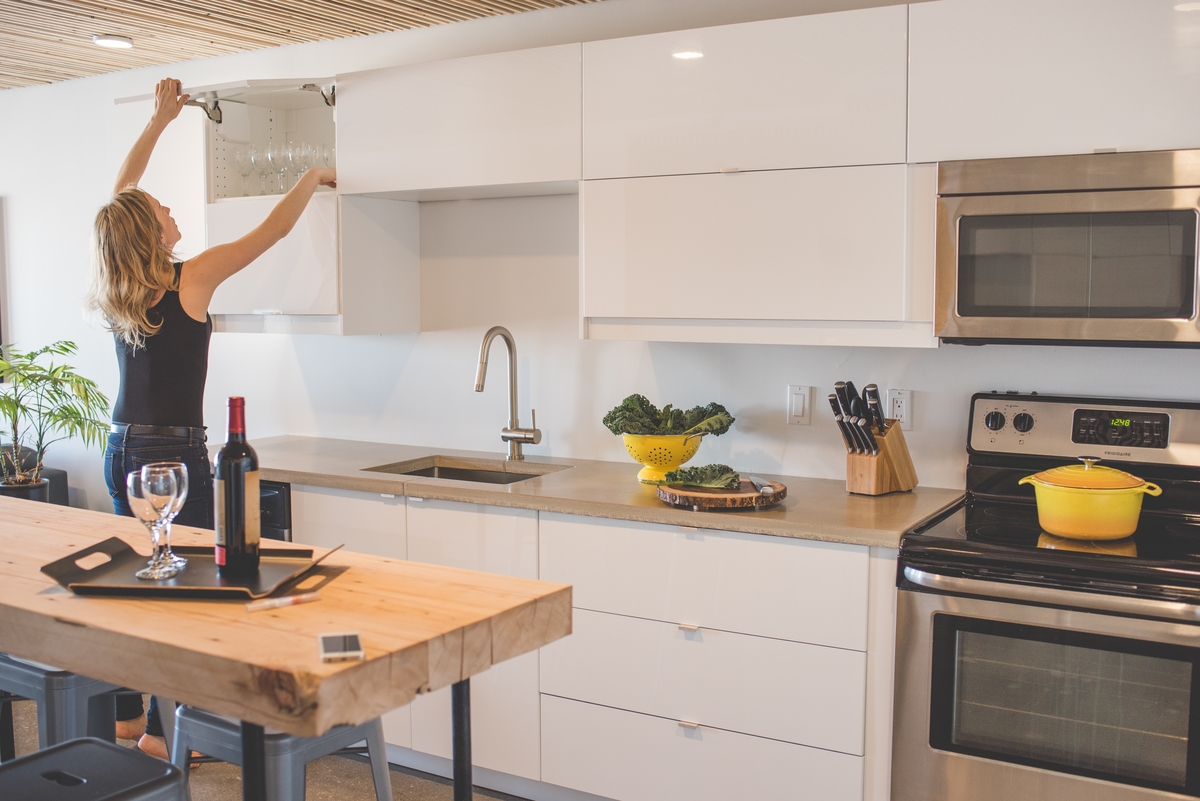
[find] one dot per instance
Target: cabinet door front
(826, 244)
(1036, 78)
(819, 90)
(503, 118)
(505, 725)
(297, 275)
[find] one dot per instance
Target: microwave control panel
(1100, 428)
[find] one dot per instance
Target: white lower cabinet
(504, 699)
(635, 757)
(804, 694)
(790, 589)
(365, 522)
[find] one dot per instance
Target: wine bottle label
(251, 525)
(219, 517)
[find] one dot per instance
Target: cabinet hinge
(210, 107)
(329, 97)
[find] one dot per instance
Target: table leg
(254, 763)
(460, 715)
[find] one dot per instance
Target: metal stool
(91, 770)
(68, 705)
(287, 755)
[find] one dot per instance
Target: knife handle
(859, 439)
(843, 399)
(877, 414)
(843, 426)
(851, 392)
(865, 428)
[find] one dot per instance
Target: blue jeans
(128, 452)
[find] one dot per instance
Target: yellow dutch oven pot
(1086, 502)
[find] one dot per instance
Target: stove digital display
(1133, 430)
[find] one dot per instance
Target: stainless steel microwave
(1090, 250)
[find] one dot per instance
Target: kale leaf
(637, 415)
(713, 476)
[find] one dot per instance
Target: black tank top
(162, 384)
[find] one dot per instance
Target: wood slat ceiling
(42, 41)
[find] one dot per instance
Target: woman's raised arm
(167, 104)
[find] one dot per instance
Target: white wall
(511, 262)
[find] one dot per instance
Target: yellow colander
(660, 454)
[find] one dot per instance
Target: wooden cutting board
(745, 497)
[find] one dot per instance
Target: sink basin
(483, 471)
(467, 474)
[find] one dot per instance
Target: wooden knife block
(891, 470)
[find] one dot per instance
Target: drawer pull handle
(728, 170)
(411, 499)
(386, 495)
(687, 724)
(688, 529)
(688, 627)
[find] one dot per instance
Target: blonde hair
(130, 265)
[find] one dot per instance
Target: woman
(157, 309)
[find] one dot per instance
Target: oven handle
(1045, 596)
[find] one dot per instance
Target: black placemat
(199, 579)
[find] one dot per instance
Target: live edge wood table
(422, 626)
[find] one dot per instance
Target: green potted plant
(41, 403)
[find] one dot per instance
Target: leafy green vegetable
(713, 476)
(637, 415)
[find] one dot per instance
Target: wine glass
(300, 158)
(277, 156)
(179, 470)
(241, 158)
(262, 165)
(328, 154)
(142, 502)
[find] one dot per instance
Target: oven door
(998, 700)
(1111, 267)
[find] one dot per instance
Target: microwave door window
(1135, 265)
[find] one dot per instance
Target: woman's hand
(168, 101)
(326, 176)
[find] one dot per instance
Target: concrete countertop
(815, 508)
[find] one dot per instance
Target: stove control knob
(1023, 422)
(994, 421)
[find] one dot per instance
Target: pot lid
(1088, 475)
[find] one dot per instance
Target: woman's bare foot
(157, 747)
(131, 729)
(154, 746)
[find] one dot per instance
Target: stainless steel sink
(484, 471)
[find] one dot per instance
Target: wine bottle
(236, 498)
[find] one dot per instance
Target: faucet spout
(514, 435)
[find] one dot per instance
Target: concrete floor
(331, 778)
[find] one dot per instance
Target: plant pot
(30, 492)
(660, 455)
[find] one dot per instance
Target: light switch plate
(799, 405)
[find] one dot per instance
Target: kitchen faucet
(514, 435)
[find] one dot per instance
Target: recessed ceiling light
(1188, 7)
(686, 54)
(111, 40)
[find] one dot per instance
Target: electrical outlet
(799, 405)
(899, 407)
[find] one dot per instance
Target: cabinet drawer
(773, 245)
(365, 522)
(805, 694)
(817, 90)
(297, 275)
(814, 592)
(632, 757)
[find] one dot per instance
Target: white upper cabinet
(999, 78)
(835, 256)
(820, 90)
(297, 275)
(504, 118)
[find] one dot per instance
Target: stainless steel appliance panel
(948, 322)
(923, 773)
